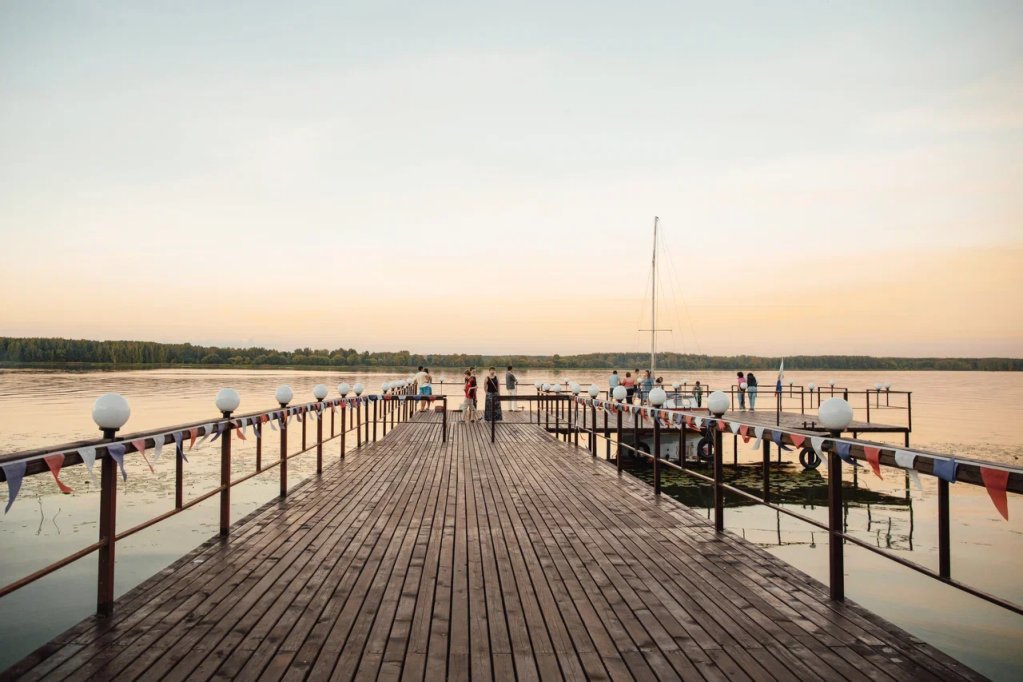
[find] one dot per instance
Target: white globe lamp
(594, 391)
(717, 403)
(811, 386)
(319, 391)
(227, 401)
(284, 394)
(110, 412)
(358, 388)
(620, 393)
(343, 389)
(576, 388)
(835, 415)
(657, 396)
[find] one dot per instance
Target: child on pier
(492, 407)
(469, 412)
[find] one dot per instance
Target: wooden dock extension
(524, 558)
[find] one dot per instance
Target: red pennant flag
(995, 481)
(193, 433)
(140, 445)
(55, 462)
(744, 432)
(874, 457)
(241, 432)
(722, 426)
(797, 439)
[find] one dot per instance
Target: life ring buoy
(705, 449)
(809, 458)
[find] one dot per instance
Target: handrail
(395, 405)
(967, 471)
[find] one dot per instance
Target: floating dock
(526, 558)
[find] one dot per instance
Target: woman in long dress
(492, 407)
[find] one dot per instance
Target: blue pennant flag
(843, 450)
(945, 469)
(116, 450)
(776, 437)
(179, 445)
(14, 473)
(220, 429)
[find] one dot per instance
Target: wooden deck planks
(524, 558)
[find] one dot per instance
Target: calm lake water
(970, 415)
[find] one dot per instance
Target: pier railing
(566, 417)
(365, 415)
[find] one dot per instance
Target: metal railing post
(107, 536)
(341, 408)
(944, 546)
(836, 559)
(719, 494)
(284, 452)
(618, 456)
(319, 441)
(657, 456)
(225, 478)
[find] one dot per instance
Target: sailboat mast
(653, 306)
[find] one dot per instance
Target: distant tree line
(18, 351)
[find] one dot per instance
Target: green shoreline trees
(27, 351)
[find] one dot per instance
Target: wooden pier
(524, 558)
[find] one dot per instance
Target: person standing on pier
(751, 388)
(646, 386)
(740, 379)
(698, 393)
(612, 382)
(469, 412)
(630, 387)
(425, 382)
(511, 384)
(492, 407)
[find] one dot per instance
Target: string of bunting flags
(995, 478)
(14, 471)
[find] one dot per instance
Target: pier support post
(767, 471)
(341, 407)
(305, 417)
(257, 427)
(719, 494)
(593, 432)
(836, 559)
(444, 422)
(225, 478)
(375, 420)
(358, 426)
(107, 536)
(607, 437)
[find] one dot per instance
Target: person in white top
(423, 380)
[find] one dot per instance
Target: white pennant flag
(208, 431)
(759, 432)
(818, 445)
(735, 426)
(88, 456)
(157, 446)
(905, 460)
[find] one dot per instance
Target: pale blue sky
(162, 158)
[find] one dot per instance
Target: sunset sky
(464, 176)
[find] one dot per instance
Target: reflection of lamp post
(718, 403)
(835, 415)
(657, 398)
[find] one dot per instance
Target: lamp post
(835, 415)
(594, 391)
(110, 412)
(284, 395)
(319, 392)
(227, 401)
(343, 389)
(358, 389)
(718, 403)
(657, 397)
(574, 414)
(619, 394)
(556, 390)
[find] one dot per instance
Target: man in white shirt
(423, 381)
